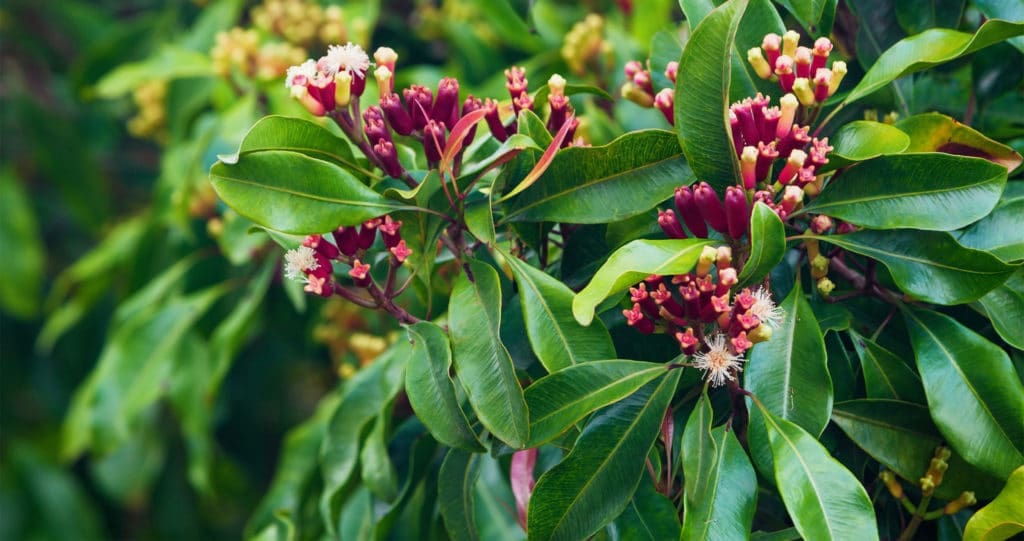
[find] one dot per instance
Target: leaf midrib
(858, 246)
(543, 302)
(305, 195)
(867, 199)
(611, 454)
(569, 405)
(807, 472)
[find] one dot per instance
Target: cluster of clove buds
(798, 69)
(639, 88)
(313, 261)
(701, 304)
(561, 111)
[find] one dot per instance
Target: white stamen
(298, 261)
(300, 75)
(349, 57)
(718, 363)
(765, 310)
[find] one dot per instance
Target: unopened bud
(385, 80)
(822, 81)
(819, 267)
(893, 484)
(792, 199)
(670, 224)
(784, 70)
(342, 88)
(672, 70)
(711, 207)
(687, 207)
(838, 72)
(821, 224)
(793, 164)
(803, 91)
(386, 56)
(761, 333)
(723, 257)
(788, 105)
(966, 499)
(664, 101)
(822, 48)
(419, 100)
(748, 167)
(825, 287)
(637, 95)
(802, 62)
(434, 140)
(632, 68)
(736, 211)
(759, 63)
(398, 118)
(790, 41)
(772, 45)
(706, 259)
(446, 103)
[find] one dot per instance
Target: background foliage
(160, 380)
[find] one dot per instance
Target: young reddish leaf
(521, 478)
(458, 135)
(542, 163)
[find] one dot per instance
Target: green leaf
(632, 263)
(293, 193)
(928, 265)
(862, 140)
(808, 13)
(930, 191)
(1004, 306)
(999, 232)
(596, 480)
(885, 374)
(822, 497)
(170, 62)
(557, 339)
(481, 361)
(377, 473)
(295, 469)
(1001, 9)
(831, 316)
(363, 398)
(918, 15)
(702, 96)
(721, 487)
(902, 437)
(974, 394)
(302, 136)
(930, 48)
(789, 373)
(767, 245)
(431, 389)
(459, 473)
(650, 516)
(1003, 518)
(584, 185)
(934, 132)
(21, 277)
(560, 400)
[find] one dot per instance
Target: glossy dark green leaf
(789, 373)
(702, 96)
(902, 437)
(929, 265)
(1004, 306)
(376, 471)
(431, 390)
(721, 488)
(294, 193)
(999, 233)
(302, 136)
(295, 468)
(862, 140)
(650, 516)
(927, 49)
(885, 374)
(840, 367)
(558, 340)
(934, 191)
(632, 263)
(363, 398)
(807, 12)
(1002, 518)
(822, 497)
(481, 361)
(974, 394)
(1008, 11)
(455, 493)
(560, 400)
(596, 480)
(831, 316)
(935, 132)
(767, 245)
(918, 15)
(630, 175)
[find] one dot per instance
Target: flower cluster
(639, 88)
(798, 69)
(584, 44)
(701, 304)
(151, 119)
(516, 83)
(239, 51)
(324, 84)
(313, 261)
(303, 22)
